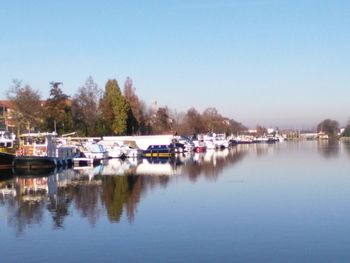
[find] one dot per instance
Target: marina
(174, 131)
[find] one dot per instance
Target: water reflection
(328, 148)
(212, 163)
(24, 199)
(346, 146)
(113, 189)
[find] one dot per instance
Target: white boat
(215, 141)
(118, 149)
(114, 150)
(93, 151)
(7, 142)
(141, 142)
(188, 144)
(209, 143)
(40, 152)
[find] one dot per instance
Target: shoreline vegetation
(92, 111)
(112, 111)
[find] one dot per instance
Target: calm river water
(287, 202)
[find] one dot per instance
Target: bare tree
(27, 106)
(85, 107)
(161, 122)
(194, 122)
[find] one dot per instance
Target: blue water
(287, 202)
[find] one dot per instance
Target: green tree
(136, 116)
(58, 111)
(346, 132)
(328, 126)
(114, 109)
(26, 101)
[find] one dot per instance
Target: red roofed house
(6, 121)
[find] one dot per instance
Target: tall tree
(346, 132)
(27, 111)
(212, 120)
(236, 127)
(162, 123)
(114, 109)
(328, 126)
(85, 108)
(58, 110)
(194, 122)
(260, 130)
(136, 117)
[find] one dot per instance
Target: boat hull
(25, 165)
(158, 151)
(6, 160)
(158, 154)
(200, 149)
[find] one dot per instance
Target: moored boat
(94, 151)
(200, 149)
(35, 165)
(6, 160)
(200, 146)
(38, 151)
(35, 162)
(158, 151)
(7, 140)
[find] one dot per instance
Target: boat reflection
(212, 163)
(113, 189)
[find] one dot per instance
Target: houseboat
(40, 151)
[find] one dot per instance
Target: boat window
(28, 140)
(40, 140)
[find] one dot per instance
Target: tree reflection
(119, 192)
(328, 148)
(91, 193)
(58, 206)
(25, 202)
(86, 201)
(346, 145)
(211, 164)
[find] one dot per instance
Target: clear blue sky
(272, 62)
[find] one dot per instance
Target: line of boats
(44, 151)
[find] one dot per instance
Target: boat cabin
(7, 142)
(37, 144)
(162, 151)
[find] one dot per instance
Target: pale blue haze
(277, 63)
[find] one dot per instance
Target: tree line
(331, 128)
(112, 111)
